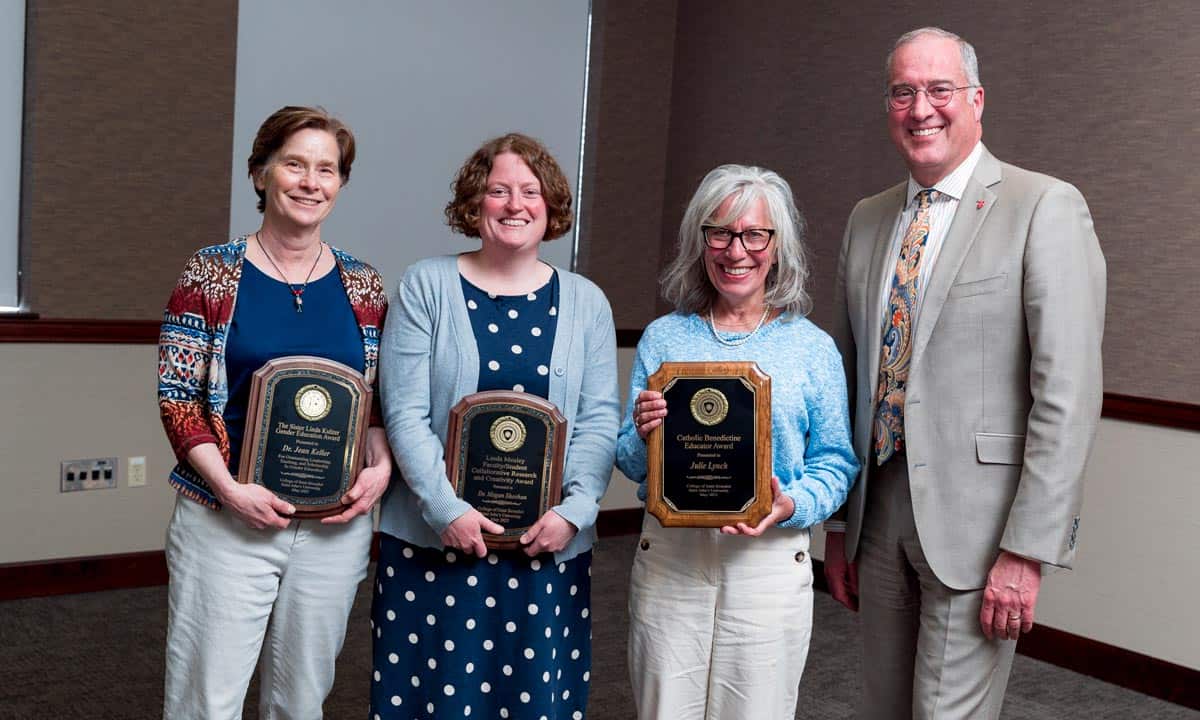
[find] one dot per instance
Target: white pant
(719, 625)
(235, 592)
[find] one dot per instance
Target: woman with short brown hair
(460, 630)
(250, 584)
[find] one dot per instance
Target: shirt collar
(953, 184)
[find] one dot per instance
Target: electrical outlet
(136, 472)
(89, 474)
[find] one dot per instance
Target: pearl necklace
(740, 341)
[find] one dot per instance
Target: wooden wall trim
(1128, 669)
(69, 576)
(1111, 664)
(1152, 411)
(111, 332)
(1117, 666)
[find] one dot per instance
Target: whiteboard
(422, 85)
(12, 87)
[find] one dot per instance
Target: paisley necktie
(896, 351)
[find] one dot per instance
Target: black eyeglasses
(902, 97)
(753, 239)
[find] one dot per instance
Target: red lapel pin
(978, 204)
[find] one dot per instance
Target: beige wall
(68, 402)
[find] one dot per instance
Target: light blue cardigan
(428, 361)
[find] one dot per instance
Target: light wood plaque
(709, 462)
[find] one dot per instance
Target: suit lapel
(977, 201)
(891, 207)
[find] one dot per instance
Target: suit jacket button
(800, 556)
(645, 544)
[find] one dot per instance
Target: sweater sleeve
(589, 458)
(829, 464)
(406, 353)
(631, 448)
(185, 348)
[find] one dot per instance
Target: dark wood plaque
(306, 430)
(504, 455)
(709, 462)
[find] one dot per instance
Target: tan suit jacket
(1005, 385)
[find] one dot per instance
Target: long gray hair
(685, 283)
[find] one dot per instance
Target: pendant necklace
(297, 292)
(742, 340)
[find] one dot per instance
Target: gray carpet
(100, 656)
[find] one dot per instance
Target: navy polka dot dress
(506, 636)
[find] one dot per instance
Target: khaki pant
(924, 654)
(719, 624)
(236, 593)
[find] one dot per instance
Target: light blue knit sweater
(810, 427)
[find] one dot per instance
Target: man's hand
(841, 575)
(1010, 596)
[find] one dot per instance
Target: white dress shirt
(941, 215)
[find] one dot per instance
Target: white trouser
(235, 592)
(719, 625)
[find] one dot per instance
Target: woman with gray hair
(720, 620)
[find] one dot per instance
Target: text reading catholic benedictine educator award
(710, 459)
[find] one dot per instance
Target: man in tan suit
(969, 311)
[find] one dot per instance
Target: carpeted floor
(100, 656)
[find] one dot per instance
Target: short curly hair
(470, 185)
(287, 121)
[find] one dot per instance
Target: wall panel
(129, 112)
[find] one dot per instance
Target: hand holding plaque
(504, 456)
(709, 462)
(306, 425)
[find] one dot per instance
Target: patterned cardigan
(192, 387)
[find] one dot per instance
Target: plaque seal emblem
(709, 406)
(313, 402)
(507, 433)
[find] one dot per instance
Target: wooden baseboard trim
(1117, 666)
(625, 521)
(1126, 668)
(68, 576)
(83, 574)
(1111, 664)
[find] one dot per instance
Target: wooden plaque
(709, 462)
(306, 430)
(504, 455)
